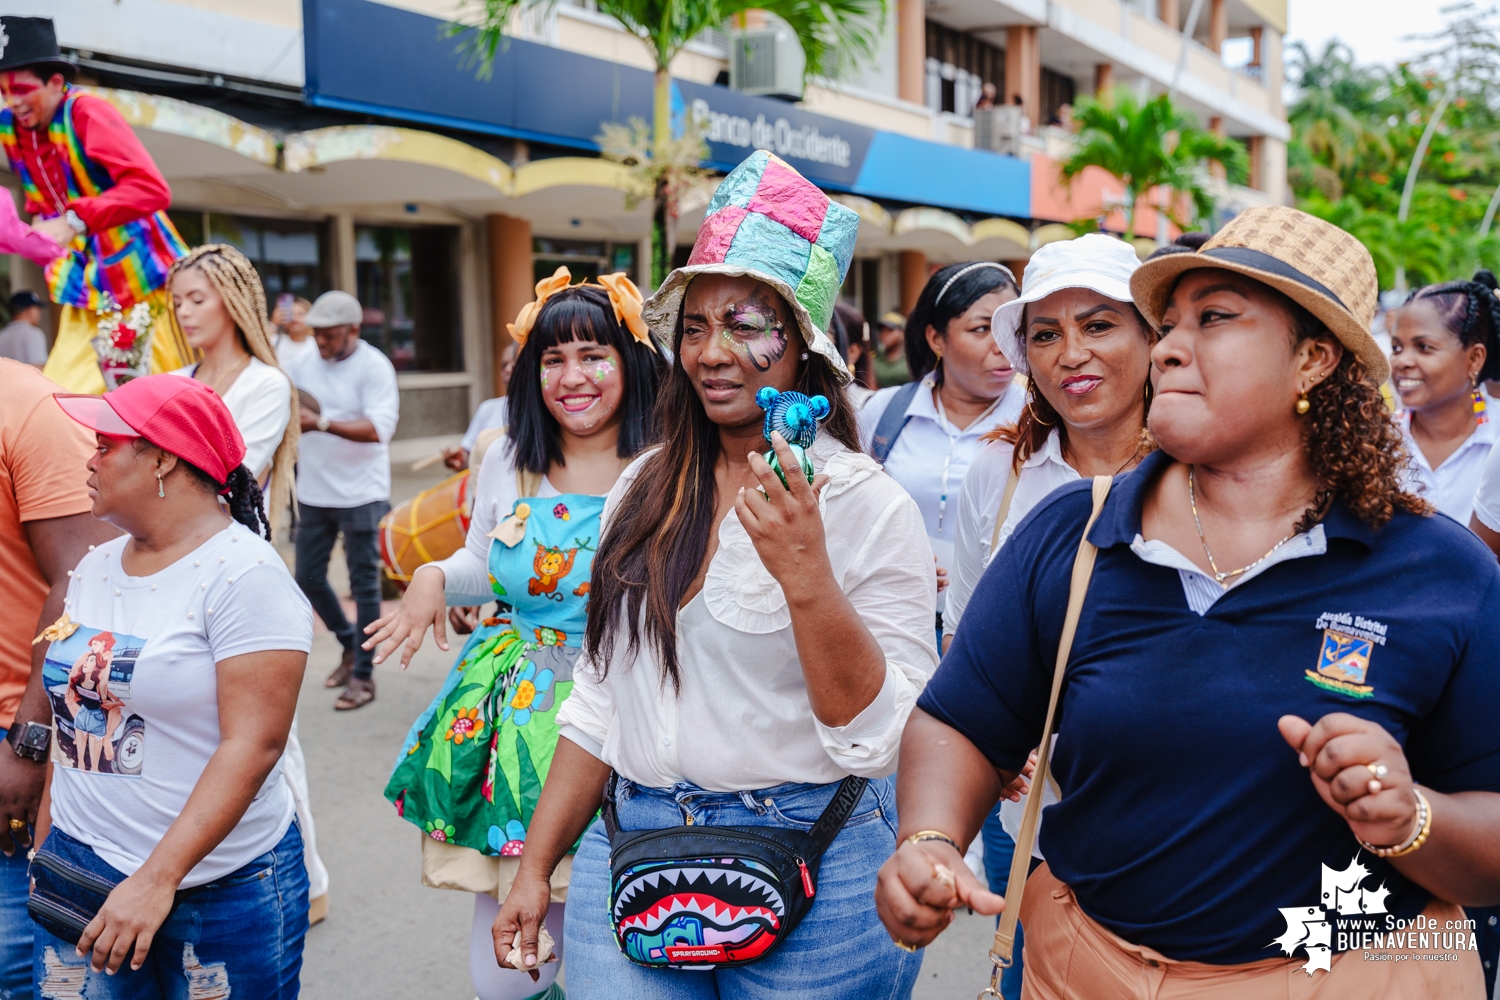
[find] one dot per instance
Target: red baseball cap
(179, 415)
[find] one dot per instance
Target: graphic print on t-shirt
(87, 676)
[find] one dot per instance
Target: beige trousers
(1071, 957)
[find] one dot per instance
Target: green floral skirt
(473, 765)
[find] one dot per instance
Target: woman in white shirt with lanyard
(752, 650)
(927, 432)
(1443, 348)
(1086, 351)
(219, 304)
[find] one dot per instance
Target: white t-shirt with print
(134, 693)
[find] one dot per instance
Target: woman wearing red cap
(174, 861)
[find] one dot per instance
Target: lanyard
(953, 435)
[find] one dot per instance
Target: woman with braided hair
(219, 307)
(1443, 348)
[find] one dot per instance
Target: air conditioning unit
(998, 129)
(766, 62)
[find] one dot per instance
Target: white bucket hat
(1097, 262)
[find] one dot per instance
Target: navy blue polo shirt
(1185, 822)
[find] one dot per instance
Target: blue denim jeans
(15, 924)
(317, 530)
(241, 935)
(839, 950)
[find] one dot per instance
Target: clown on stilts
(92, 188)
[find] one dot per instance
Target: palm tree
(834, 35)
(1151, 144)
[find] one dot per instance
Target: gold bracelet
(1420, 828)
(922, 835)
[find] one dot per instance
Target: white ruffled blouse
(741, 719)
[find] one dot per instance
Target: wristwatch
(30, 740)
(323, 422)
(79, 226)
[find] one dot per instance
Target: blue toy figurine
(796, 417)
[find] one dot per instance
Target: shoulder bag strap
(893, 421)
(1083, 569)
(836, 814)
(1004, 512)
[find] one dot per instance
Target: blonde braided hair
(238, 284)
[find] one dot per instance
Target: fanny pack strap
(845, 798)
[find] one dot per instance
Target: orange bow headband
(623, 295)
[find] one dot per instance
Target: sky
(1375, 29)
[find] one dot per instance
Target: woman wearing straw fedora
(1271, 673)
(754, 646)
(580, 408)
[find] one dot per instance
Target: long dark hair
(653, 546)
(1470, 311)
(582, 312)
(937, 313)
(855, 329)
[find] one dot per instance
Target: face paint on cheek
(602, 370)
(764, 336)
(545, 373)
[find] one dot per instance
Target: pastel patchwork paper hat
(769, 222)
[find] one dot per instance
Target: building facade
(349, 144)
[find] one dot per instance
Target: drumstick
(427, 462)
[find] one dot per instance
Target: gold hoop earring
(1044, 423)
(161, 490)
(1303, 405)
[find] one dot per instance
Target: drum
(431, 525)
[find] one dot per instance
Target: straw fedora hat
(1314, 263)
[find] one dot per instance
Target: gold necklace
(214, 385)
(1223, 578)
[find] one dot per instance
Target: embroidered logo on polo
(696, 916)
(1349, 640)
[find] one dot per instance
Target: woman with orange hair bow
(579, 409)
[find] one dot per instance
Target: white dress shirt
(333, 471)
(741, 719)
(932, 456)
(1452, 485)
(260, 401)
(979, 504)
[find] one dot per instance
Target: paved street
(388, 937)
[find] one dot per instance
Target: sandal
(359, 693)
(342, 672)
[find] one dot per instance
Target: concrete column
(1273, 171)
(1167, 11)
(911, 51)
(1255, 38)
(1218, 25)
(1104, 80)
(1255, 146)
(1272, 72)
(913, 278)
(342, 273)
(1023, 69)
(512, 284)
(1216, 126)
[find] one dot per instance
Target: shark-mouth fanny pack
(699, 897)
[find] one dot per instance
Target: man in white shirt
(22, 339)
(349, 411)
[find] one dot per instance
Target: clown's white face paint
(583, 386)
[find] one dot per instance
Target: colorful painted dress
(474, 763)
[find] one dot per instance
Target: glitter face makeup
(753, 329)
(600, 370)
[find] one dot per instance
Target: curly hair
(1356, 450)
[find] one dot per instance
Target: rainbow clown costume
(86, 165)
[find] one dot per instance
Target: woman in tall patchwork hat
(927, 431)
(757, 638)
(580, 408)
(174, 854)
(1271, 673)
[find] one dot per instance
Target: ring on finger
(1378, 769)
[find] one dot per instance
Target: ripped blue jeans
(242, 934)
